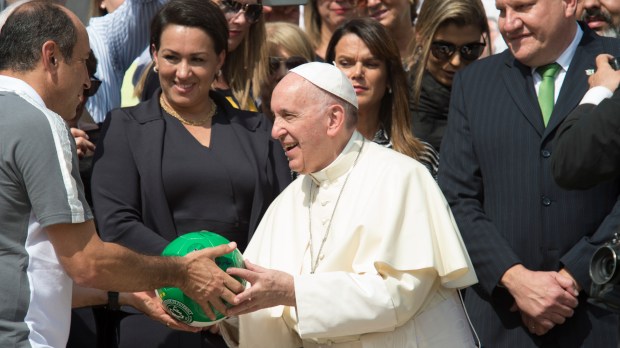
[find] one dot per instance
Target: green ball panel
(180, 306)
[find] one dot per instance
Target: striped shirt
(116, 40)
(429, 158)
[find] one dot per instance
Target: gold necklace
(176, 115)
(314, 263)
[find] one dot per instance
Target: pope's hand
(268, 288)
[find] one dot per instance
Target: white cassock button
(321, 257)
(323, 203)
(324, 184)
(324, 221)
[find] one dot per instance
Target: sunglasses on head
(231, 8)
(445, 50)
(94, 87)
(292, 62)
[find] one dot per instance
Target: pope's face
(300, 125)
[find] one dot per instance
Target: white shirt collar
(342, 163)
(567, 56)
(20, 87)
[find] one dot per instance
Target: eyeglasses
(292, 62)
(94, 87)
(231, 9)
(445, 50)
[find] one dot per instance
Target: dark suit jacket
(495, 172)
(127, 183)
(587, 147)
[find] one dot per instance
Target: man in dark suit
(587, 145)
(530, 241)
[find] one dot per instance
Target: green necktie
(546, 91)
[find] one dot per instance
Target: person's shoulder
(143, 112)
(23, 115)
(249, 120)
(485, 66)
(390, 160)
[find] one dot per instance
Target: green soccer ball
(180, 306)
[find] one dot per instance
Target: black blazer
(495, 171)
(131, 207)
(587, 148)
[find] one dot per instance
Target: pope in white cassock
(361, 250)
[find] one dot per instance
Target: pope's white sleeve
(337, 304)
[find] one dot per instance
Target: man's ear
(50, 56)
(336, 119)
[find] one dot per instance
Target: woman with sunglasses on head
(185, 160)
(450, 34)
(246, 52)
(365, 52)
(322, 17)
(288, 47)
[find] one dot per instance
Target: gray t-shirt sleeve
(45, 161)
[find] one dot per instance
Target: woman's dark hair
(394, 110)
(203, 14)
(28, 28)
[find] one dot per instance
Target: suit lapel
(518, 80)
(576, 81)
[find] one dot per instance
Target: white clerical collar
(342, 163)
(8, 83)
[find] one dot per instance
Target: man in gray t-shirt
(47, 236)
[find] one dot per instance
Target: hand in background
(83, 145)
(605, 75)
(150, 304)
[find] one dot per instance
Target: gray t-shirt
(39, 186)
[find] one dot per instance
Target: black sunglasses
(94, 87)
(445, 50)
(231, 8)
(291, 62)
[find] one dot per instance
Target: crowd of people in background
(437, 121)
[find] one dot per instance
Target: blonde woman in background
(450, 34)
(397, 16)
(322, 17)
(288, 46)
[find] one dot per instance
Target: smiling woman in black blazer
(184, 160)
